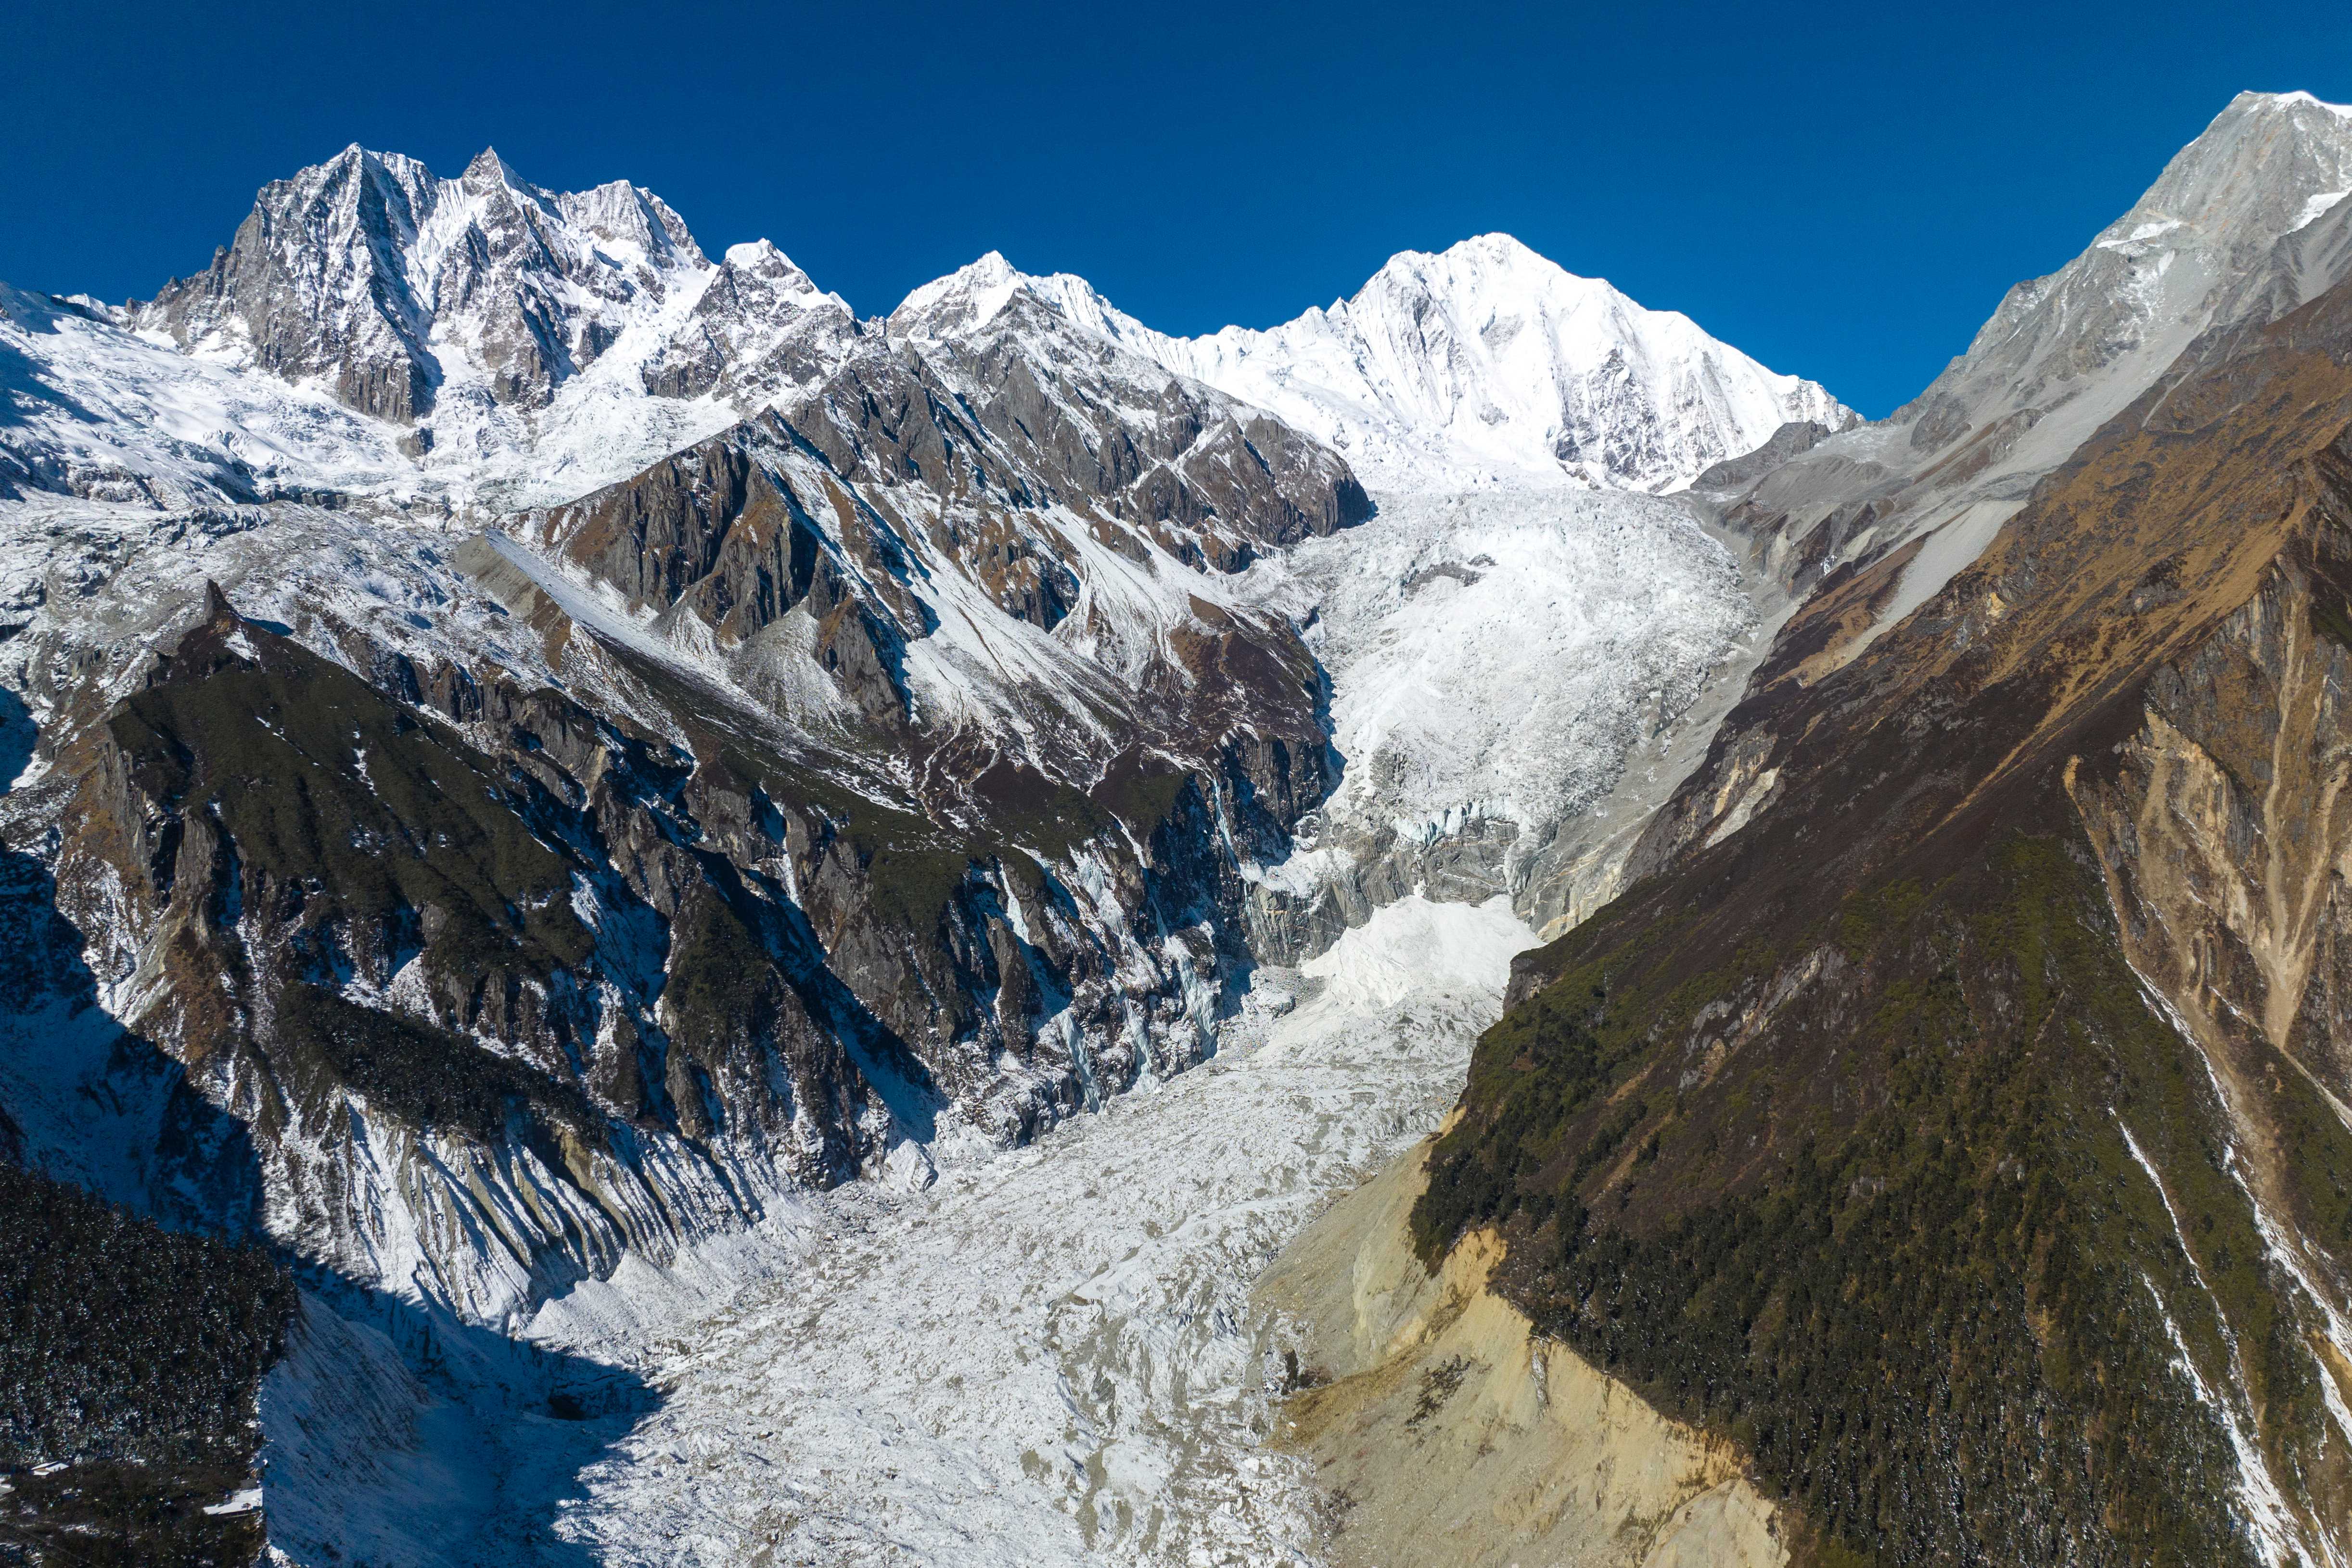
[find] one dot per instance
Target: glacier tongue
(1047, 1357)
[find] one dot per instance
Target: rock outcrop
(393, 284)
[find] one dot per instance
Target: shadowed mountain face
(1955, 1117)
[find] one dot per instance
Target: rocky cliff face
(477, 342)
(874, 772)
(1958, 1097)
(1450, 1433)
(758, 329)
(492, 1017)
(2245, 224)
(394, 284)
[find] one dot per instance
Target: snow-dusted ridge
(2249, 221)
(489, 343)
(500, 345)
(1484, 364)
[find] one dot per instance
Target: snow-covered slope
(1486, 361)
(2249, 221)
(1484, 364)
(95, 412)
(1517, 675)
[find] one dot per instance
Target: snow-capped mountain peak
(964, 300)
(401, 287)
(760, 259)
(967, 299)
(1486, 361)
(1480, 363)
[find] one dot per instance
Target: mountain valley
(722, 931)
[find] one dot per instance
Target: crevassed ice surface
(1507, 653)
(1046, 1357)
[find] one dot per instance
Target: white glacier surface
(1046, 1357)
(1508, 655)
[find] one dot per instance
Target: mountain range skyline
(1843, 197)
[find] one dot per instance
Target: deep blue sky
(1843, 191)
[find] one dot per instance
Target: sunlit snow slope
(1487, 363)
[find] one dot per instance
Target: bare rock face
(1453, 1434)
(394, 284)
(314, 283)
(760, 329)
(1048, 414)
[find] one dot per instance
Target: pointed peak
(349, 161)
(1511, 252)
(1481, 264)
(992, 268)
(988, 271)
(219, 611)
(1497, 244)
(964, 301)
(488, 169)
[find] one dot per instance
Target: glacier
(381, 421)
